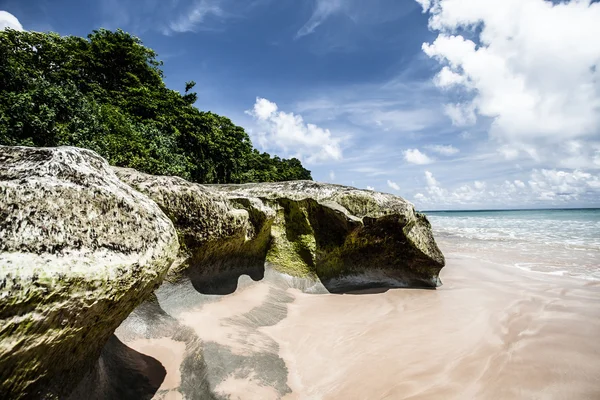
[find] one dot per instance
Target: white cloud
(323, 10)
(390, 114)
(264, 109)
(414, 156)
(172, 17)
(359, 12)
(519, 184)
(393, 185)
(564, 185)
(288, 132)
(533, 70)
(7, 20)
(331, 175)
(445, 150)
(545, 187)
(371, 188)
(426, 4)
(369, 170)
(196, 14)
(461, 114)
(447, 78)
(465, 135)
(431, 182)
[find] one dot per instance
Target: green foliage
(106, 93)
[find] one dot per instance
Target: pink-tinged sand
(491, 332)
(171, 354)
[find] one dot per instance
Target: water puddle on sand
(489, 333)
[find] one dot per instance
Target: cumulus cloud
(414, 156)
(393, 185)
(532, 68)
(431, 181)
(545, 187)
(445, 150)
(426, 4)
(519, 184)
(372, 188)
(461, 114)
(331, 175)
(479, 185)
(7, 20)
(288, 132)
(264, 109)
(563, 185)
(447, 78)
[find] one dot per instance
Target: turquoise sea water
(559, 242)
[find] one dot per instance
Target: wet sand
(490, 332)
(171, 354)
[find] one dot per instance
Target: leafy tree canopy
(106, 93)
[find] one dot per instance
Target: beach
(488, 333)
(491, 331)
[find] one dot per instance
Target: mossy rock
(79, 250)
(332, 233)
(345, 237)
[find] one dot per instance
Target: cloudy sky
(453, 104)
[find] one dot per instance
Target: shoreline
(491, 331)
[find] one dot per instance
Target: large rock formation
(81, 247)
(79, 250)
(343, 237)
(218, 242)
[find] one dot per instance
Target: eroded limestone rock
(343, 237)
(219, 241)
(79, 250)
(347, 238)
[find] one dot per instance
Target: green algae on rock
(348, 238)
(343, 237)
(79, 250)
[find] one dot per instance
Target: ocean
(558, 242)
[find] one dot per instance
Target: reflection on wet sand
(491, 332)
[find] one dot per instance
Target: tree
(106, 93)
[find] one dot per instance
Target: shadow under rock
(222, 283)
(121, 373)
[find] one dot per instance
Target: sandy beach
(490, 332)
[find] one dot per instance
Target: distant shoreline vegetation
(106, 93)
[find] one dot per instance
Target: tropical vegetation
(106, 93)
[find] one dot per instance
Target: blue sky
(453, 104)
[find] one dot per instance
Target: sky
(451, 104)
